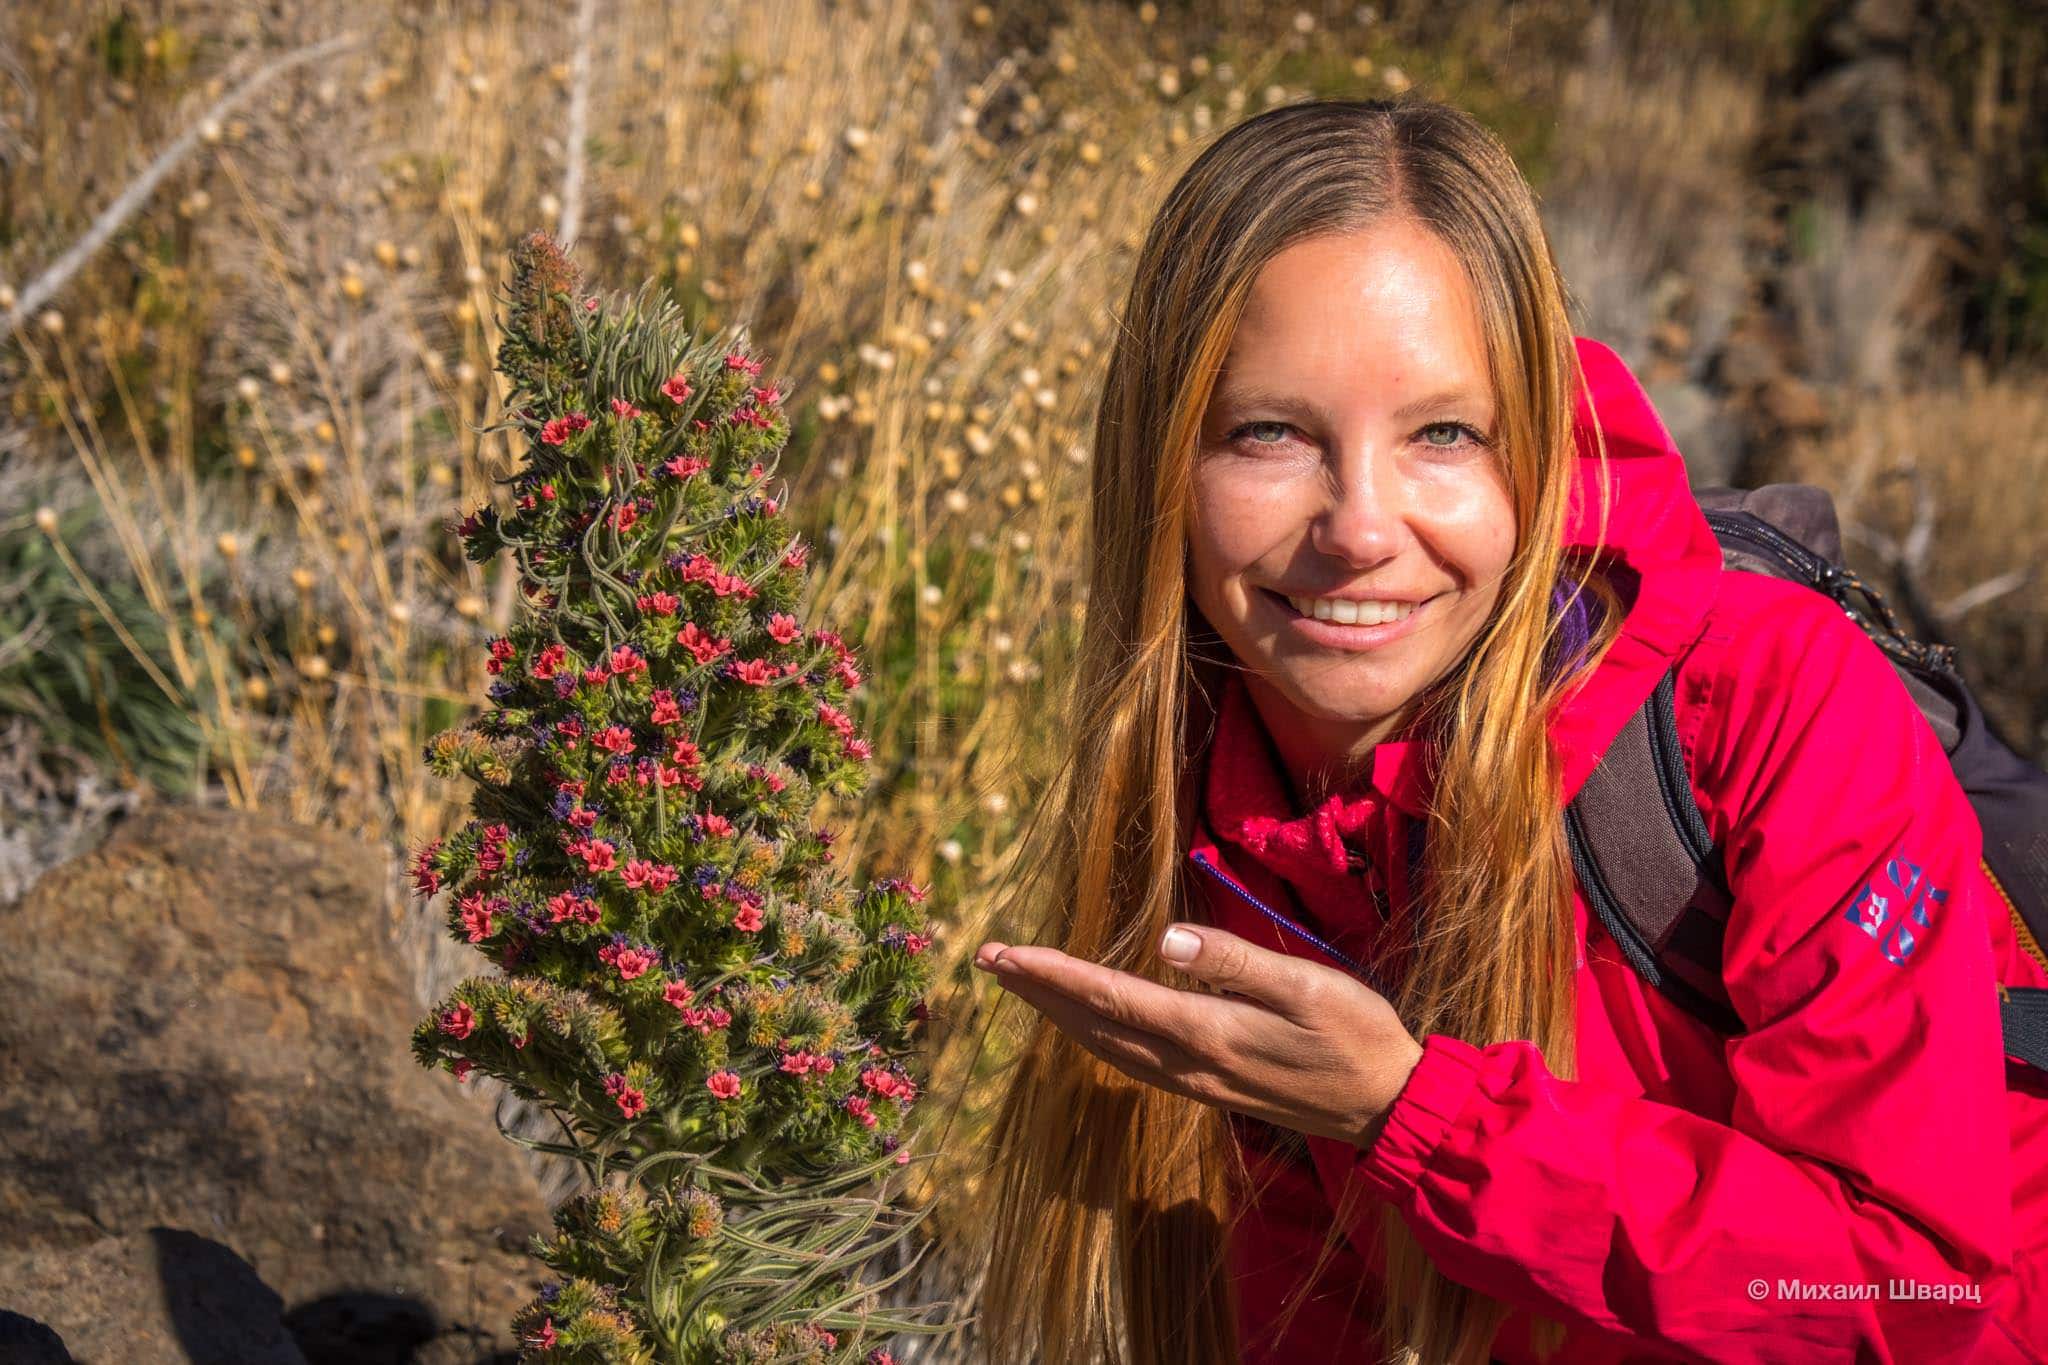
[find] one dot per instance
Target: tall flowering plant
(718, 1025)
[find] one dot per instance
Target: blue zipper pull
(1327, 950)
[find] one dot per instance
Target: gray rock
(205, 1028)
(160, 1295)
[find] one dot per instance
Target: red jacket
(1686, 1197)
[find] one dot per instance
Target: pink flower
(425, 880)
(736, 361)
(717, 826)
(462, 1068)
(476, 917)
(676, 388)
(562, 428)
(795, 558)
(835, 718)
(654, 876)
(660, 603)
(622, 409)
(627, 663)
(683, 466)
(666, 711)
(459, 1021)
(615, 739)
(627, 514)
(597, 854)
(860, 1109)
(685, 754)
(567, 905)
(747, 920)
(754, 672)
(631, 1101)
(784, 628)
(549, 661)
(858, 749)
(848, 674)
(725, 585)
(545, 1338)
(704, 647)
(678, 993)
(633, 962)
(722, 1083)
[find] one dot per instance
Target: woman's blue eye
(1253, 426)
(1477, 439)
(1243, 434)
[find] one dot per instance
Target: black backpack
(1641, 848)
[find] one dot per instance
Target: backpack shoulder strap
(1646, 866)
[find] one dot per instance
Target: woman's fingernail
(1180, 945)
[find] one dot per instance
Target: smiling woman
(1321, 484)
(1382, 560)
(1344, 378)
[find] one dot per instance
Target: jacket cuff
(1420, 1116)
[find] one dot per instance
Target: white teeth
(1352, 613)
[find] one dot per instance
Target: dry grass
(1948, 479)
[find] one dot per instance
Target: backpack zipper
(1836, 583)
(1776, 544)
(1285, 923)
(2022, 931)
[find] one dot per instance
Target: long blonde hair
(1109, 1230)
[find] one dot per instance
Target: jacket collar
(1659, 551)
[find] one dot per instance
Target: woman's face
(1346, 456)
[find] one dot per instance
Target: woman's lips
(1337, 635)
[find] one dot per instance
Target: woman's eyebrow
(1443, 398)
(1295, 405)
(1292, 404)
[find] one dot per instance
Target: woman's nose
(1362, 517)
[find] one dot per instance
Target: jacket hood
(1657, 549)
(1656, 542)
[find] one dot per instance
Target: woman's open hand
(1298, 1044)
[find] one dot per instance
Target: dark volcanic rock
(155, 1295)
(205, 1029)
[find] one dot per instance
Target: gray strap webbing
(1663, 904)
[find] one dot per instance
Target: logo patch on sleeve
(1898, 909)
